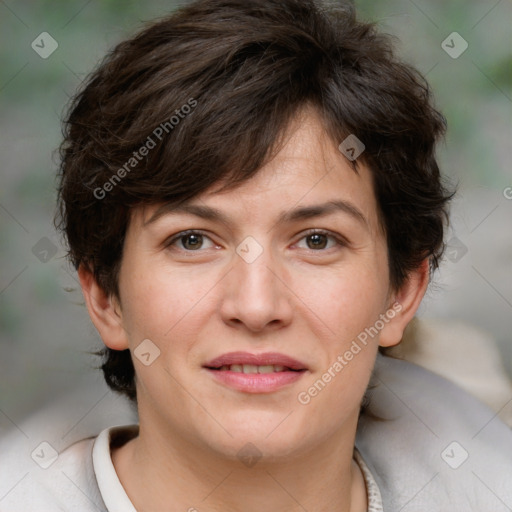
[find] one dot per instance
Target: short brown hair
(244, 67)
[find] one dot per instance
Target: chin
(271, 435)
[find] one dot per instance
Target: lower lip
(256, 382)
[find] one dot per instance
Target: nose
(256, 294)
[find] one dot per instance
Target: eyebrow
(301, 213)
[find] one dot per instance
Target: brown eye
(192, 242)
(317, 241)
(320, 240)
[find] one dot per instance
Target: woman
(252, 201)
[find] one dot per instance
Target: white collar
(113, 493)
(372, 489)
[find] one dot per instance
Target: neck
(158, 470)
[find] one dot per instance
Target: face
(255, 303)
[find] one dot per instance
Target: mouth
(255, 373)
(252, 368)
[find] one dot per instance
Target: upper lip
(267, 358)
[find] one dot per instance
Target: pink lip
(256, 382)
(256, 359)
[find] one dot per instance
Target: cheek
(159, 303)
(350, 303)
(346, 300)
(336, 395)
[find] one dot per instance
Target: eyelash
(337, 239)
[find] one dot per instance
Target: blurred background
(463, 47)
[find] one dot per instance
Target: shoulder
(429, 443)
(54, 481)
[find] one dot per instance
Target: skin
(196, 302)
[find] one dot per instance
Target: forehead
(307, 170)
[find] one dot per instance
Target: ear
(104, 310)
(404, 304)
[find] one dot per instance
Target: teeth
(252, 368)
